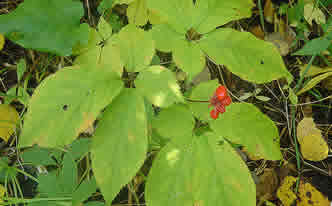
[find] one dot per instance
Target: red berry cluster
(219, 100)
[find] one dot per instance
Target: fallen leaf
(279, 41)
(2, 41)
(312, 12)
(268, 11)
(257, 31)
(310, 196)
(267, 185)
(8, 120)
(307, 194)
(285, 192)
(313, 145)
(2, 192)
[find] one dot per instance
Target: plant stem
(261, 16)
(201, 101)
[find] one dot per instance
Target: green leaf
(80, 147)
(84, 191)
(159, 86)
(203, 16)
(199, 172)
(44, 189)
(213, 13)
(179, 14)
(67, 178)
(38, 156)
(189, 57)
(243, 123)
(52, 26)
(244, 55)
(116, 22)
(66, 104)
(104, 5)
(96, 37)
(120, 143)
(100, 50)
(314, 47)
(164, 31)
(313, 82)
(136, 48)
(263, 98)
(175, 121)
(203, 92)
(292, 96)
(95, 203)
(21, 67)
(137, 12)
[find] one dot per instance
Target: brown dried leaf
(268, 184)
(268, 11)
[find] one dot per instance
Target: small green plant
(113, 75)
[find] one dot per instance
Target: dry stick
(89, 12)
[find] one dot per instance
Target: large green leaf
(179, 14)
(67, 103)
(175, 121)
(136, 48)
(203, 92)
(245, 55)
(84, 191)
(314, 46)
(188, 56)
(203, 16)
(100, 49)
(137, 12)
(243, 123)
(199, 171)
(159, 86)
(213, 13)
(52, 25)
(67, 178)
(162, 32)
(120, 143)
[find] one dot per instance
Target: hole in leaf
(65, 107)
(262, 62)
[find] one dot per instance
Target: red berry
(214, 114)
(227, 101)
(221, 92)
(220, 108)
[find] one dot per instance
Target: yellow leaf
(314, 70)
(8, 120)
(312, 12)
(2, 41)
(2, 192)
(285, 192)
(307, 196)
(314, 82)
(310, 196)
(313, 145)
